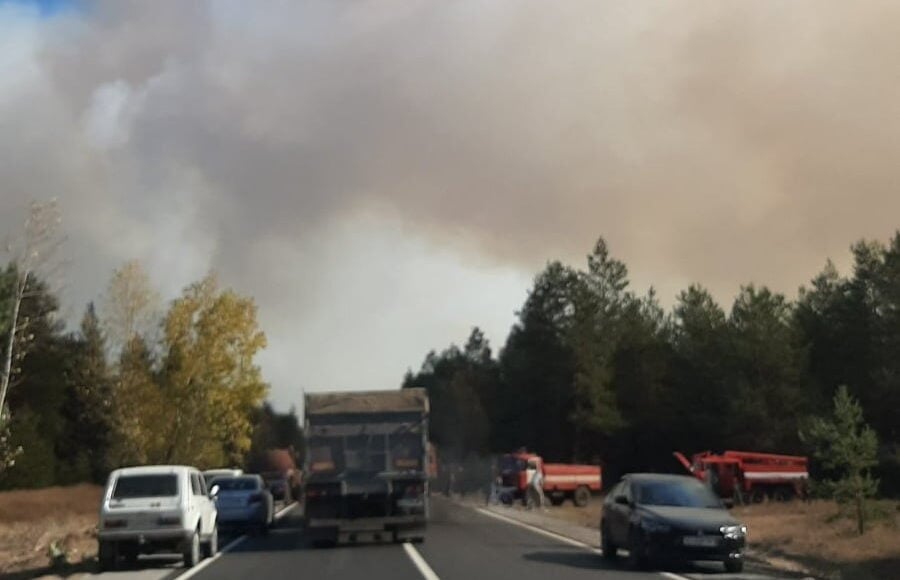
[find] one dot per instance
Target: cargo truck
(366, 468)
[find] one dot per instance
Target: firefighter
(536, 487)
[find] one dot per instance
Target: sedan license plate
(701, 541)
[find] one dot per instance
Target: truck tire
(557, 500)
(734, 565)
(582, 496)
(783, 493)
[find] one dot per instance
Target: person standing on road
(536, 487)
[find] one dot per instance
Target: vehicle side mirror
(214, 491)
(621, 500)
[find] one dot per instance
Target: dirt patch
(34, 523)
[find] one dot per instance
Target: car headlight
(655, 526)
(731, 532)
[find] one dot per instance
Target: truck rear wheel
(557, 500)
(582, 496)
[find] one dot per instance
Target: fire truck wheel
(783, 494)
(557, 500)
(582, 496)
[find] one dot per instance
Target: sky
(383, 175)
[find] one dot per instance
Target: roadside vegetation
(137, 382)
(594, 371)
(38, 527)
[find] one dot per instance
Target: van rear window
(132, 486)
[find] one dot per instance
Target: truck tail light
(112, 524)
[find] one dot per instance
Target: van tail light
(169, 520)
(113, 524)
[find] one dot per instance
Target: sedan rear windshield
(676, 494)
(236, 483)
(132, 486)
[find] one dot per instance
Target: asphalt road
(462, 544)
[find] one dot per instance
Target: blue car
(243, 502)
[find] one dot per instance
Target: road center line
(230, 546)
(420, 563)
(561, 538)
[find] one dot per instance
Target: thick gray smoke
(325, 156)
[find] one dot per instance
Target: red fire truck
(755, 475)
(562, 481)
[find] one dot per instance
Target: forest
(595, 371)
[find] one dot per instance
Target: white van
(159, 508)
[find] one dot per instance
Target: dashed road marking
(420, 563)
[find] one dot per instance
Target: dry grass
(31, 520)
(824, 538)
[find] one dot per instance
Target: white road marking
(673, 576)
(231, 546)
(561, 538)
(542, 531)
(420, 563)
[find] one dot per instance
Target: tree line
(594, 371)
(134, 384)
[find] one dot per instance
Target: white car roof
(154, 469)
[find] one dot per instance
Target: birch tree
(34, 251)
(130, 308)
